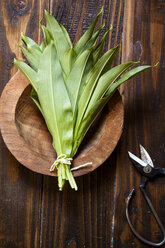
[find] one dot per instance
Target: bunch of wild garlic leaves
(71, 85)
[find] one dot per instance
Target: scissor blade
(138, 160)
(145, 156)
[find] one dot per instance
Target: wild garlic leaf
(87, 122)
(33, 61)
(93, 58)
(29, 42)
(29, 73)
(93, 39)
(99, 104)
(54, 100)
(68, 61)
(42, 46)
(99, 47)
(73, 81)
(32, 52)
(34, 97)
(66, 35)
(87, 35)
(46, 34)
(58, 35)
(35, 52)
(69, 56)
(128, 76)
(91, 83)
(107, 79)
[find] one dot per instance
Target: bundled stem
(64, 173)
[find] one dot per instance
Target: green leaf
(29, 73)
(34, 97)
(42, 46)
(87, 122)
(54, 101)
(57, 33)
(98, 105)
(29, 42)
(99, 48)
(127, 76)
(47, 37)
(34, 63)
(66, 35)
(93, 58)
(68, 60)
(107, 79)
(87, 35)
(93, 39)
(91, 83)
(73, 81)
(33, 51)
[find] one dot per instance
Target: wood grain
(20, 189)
(28, 139)
(144, 121)
(33, 212)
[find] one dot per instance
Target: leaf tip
(41, 22)
(46, 13)
(102, 8)
(116, 48)
(15, 61)
(156, 64)
(136, 62)
(22, 36)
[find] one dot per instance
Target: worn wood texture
(143, 39)
(33, 213)
(20, 189)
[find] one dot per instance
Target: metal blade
(138, 160)
(145, 156)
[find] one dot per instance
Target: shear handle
(155, 215)
(162, 171)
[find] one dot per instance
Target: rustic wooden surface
(26, 136)
(33, 213)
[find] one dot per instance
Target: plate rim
(22, 151)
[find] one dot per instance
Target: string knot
(61, 159)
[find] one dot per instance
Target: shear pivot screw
(147, 169)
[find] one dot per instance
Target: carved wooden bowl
(26, 136)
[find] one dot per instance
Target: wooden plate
(26, 136)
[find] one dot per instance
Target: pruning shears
(146, 167)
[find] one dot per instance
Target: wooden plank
(20, 189)
(84, 218)
(143, 39)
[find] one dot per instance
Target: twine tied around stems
(62, 159)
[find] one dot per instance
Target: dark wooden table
(33, 213)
